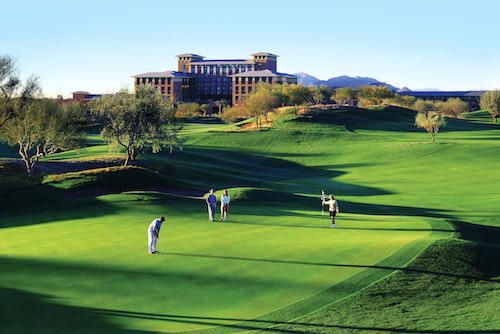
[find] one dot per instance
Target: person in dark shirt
(211, 203)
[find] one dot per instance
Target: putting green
(264, 259)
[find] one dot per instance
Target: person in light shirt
(154, 234)
(333, 207)
(224, 205)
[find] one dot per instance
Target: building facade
(471, 97)
(200, 80)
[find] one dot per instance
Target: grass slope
(80, 248)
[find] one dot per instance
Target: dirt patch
(61, 167)
(90, 193)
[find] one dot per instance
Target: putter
(161, 246)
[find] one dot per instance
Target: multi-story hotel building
(203, 80)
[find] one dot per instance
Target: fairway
(76, 243)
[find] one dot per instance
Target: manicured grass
(77, 242)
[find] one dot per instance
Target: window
(264, 79)
(138, 80)
(270, 80)
(168, 81)
(249, 89)
(243, 80)
(236, 80)
(162, 81)
(249, 81)
(237, 90)
(243, 90)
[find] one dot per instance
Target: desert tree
(452, 107)
(260, 103)
(40, 128)
(430, 121)
(320, 94)
(375, 94)
(424, 105)
(296, 94)
(404, 101)
(343, 95)
(490, 101)
(138, 122)
(14, 95)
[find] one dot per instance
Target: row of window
(243, 90)
(252, 79)
(229, 68)
(156, 81)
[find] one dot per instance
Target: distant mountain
(306, 79)
(341, 81)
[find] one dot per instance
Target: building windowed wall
(200, 80)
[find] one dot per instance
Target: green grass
(417, 249)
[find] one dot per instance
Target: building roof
(166, 74)
(264, 54)
(473, 93)
(263, 73)
(80, 92)
(190, 55)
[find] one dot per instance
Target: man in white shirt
(154, 234)
(333, 207)
(224, 206)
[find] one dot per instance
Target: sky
(96, 46)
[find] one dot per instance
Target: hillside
(341, 81)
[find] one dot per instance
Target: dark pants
(332, 216)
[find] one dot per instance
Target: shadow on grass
(388, 119)
(27, 312)
(326, 264)
(262, 324)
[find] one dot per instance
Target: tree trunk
(27, 162)
(494, 119)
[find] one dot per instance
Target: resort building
(203, 80)
(471, 97)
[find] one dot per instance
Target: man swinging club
(154, 234)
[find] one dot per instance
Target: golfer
(333, 207)
(211, 203)
(154, 234)
(224, 205)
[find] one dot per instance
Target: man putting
(211, 203)
(333, 207)
(154, 234)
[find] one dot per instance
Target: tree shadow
(395, 119)
(263, 324)
(28, 312)
(327, 264)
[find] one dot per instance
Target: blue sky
(98, 45)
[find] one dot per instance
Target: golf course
(417, 248)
